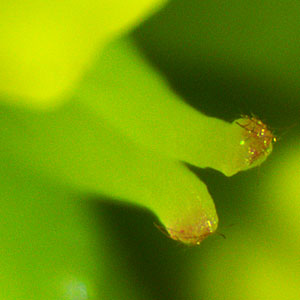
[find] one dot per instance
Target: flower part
(258, 139)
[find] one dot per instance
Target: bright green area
(46, 46)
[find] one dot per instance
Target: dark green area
(228, 58)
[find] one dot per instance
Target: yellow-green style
(126, 91)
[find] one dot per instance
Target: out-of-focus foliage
(229, 57)
(224, 58)
(47, 45)
(46, 251)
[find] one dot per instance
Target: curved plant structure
(95, 116)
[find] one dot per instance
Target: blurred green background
(62, 240)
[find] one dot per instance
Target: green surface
(68, 175)
(47, 46)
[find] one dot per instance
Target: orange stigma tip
(257, 136)
(190, 235)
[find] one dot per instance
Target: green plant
(116, 130)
